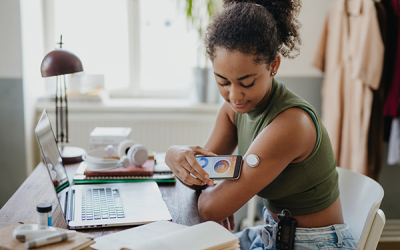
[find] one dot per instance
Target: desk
(181, 202)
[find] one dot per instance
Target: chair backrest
(361, 197)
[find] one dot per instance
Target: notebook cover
(160, 176)
(159, 181)
(146, 169)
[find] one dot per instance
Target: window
(144, 48)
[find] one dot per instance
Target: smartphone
(221, 166)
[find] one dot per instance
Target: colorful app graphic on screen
(221, 166)
(218, 167)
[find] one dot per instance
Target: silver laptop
(98, 205)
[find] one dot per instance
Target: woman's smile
(239, 105)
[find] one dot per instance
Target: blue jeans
(331, 237)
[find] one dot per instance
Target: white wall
(21, 52)
(12, 147)
(10, 40)
(33, 53)
(312, 17)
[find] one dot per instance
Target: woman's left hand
(228, 223)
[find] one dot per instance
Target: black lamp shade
(60, 62)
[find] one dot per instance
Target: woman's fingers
(225, 224)
(198, 171)
(228, 223)
(186, 170)
(231, 222)
(202, 151)
(201, 172)
(182, 161)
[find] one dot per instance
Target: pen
(46, 240)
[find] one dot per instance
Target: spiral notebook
(160, 174)
(147, 169)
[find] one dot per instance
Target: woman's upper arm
(291, 135)
(223, 138)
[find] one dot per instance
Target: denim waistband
(338, 232)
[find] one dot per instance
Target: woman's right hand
(182, 161)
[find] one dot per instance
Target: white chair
(361, 197)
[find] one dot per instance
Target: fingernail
(210, 183)
(202, 183)
(206, 176)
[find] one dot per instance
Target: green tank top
(305, 187)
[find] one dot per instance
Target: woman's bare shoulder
(228, 111)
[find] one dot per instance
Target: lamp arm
(66, 109)
(57, 83)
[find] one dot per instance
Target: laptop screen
(50, 153)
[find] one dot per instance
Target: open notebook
(167, 235)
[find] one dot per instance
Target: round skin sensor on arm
(252, 160)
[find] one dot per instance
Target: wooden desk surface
(181, 202)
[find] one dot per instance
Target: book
(79, 241)
(168, 235)
(146, 169)
(101, 137)
(161, 174)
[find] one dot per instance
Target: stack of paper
(160, 173)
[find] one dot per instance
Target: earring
(273, 73)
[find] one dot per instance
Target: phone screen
(221, 167)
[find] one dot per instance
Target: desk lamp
(60, 62)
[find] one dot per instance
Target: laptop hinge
(72, 208)
(70, 205)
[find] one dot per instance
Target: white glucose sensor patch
(252, 160)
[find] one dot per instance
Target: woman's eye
(248, 86)
(223, 84)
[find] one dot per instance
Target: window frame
(133, 90)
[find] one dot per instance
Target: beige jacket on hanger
(350, 54)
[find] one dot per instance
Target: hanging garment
(394, 143)
(392, 103)
(376, 124)
(392, 9)
(350, 54)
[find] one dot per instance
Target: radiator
(391, 231)
(156, 131)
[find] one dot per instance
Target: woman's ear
(274, 66)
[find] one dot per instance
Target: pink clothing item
(350, 54)
(392, 103)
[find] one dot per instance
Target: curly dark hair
(261, 28)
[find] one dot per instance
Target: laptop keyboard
(102, 203)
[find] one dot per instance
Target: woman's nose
(235, 93)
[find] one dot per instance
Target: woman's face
(242, 82)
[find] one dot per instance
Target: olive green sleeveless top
(305, 187)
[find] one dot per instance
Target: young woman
(297, 169)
